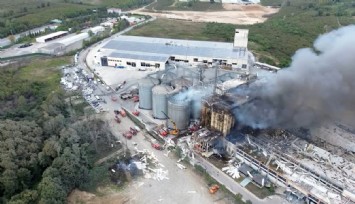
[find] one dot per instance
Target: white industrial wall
(238, 61)
(74, 46)
(123, 62)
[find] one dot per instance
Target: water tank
(179, 112)
(145, 93)
(161, 94)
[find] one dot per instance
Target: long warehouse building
(146, 52)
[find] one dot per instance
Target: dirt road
(234, 14)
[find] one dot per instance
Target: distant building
(51, 36)
(114, 10)
(65, 45)
(109, 23)
(97, 29)
(56, 21)
(143, 52)
(132, 20)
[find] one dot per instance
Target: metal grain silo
(179, 112)
(196, 94)
(145, 93)
(161, 94)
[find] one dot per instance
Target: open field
(295, 26)
(238, 14)
(167, 28)
(188, 6)
(43, 70)
(32, 78)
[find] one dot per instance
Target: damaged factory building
(217, 112)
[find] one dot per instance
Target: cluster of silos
(160, 96)
(145, 93)
(179, 100)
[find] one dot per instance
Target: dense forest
(47, 145)
(17, 16)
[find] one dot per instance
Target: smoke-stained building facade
(217, 113)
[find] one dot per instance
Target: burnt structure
(217, 112)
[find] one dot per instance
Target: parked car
(120, 86)
(26, 45)
(127, 135)
(125, 96)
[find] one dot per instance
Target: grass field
(164, 28)
(44, 69)
(295, 26)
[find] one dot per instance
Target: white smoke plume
(319, 86)
(194, 95)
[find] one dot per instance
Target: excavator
(174, 131)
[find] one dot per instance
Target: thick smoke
(194, 95)
(319, 86)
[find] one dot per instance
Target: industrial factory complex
(307, 172)
(194, 98)
(145, 52)
(189, 91)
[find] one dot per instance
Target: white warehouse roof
(97, 29)
(72, 39)
(51, 35)
(171, 47)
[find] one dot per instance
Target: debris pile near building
(150, 165)
(317, 174)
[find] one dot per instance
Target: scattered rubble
(232, 171)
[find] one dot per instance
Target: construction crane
(175, 131)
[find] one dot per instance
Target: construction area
(238, 14)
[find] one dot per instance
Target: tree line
(46, 149)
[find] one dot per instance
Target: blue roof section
(140, 56)
(173, 47)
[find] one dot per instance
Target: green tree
(21, 101)
(25, 197)
(20, 144)
(12, 38)
(90, 33)
(51, 191)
